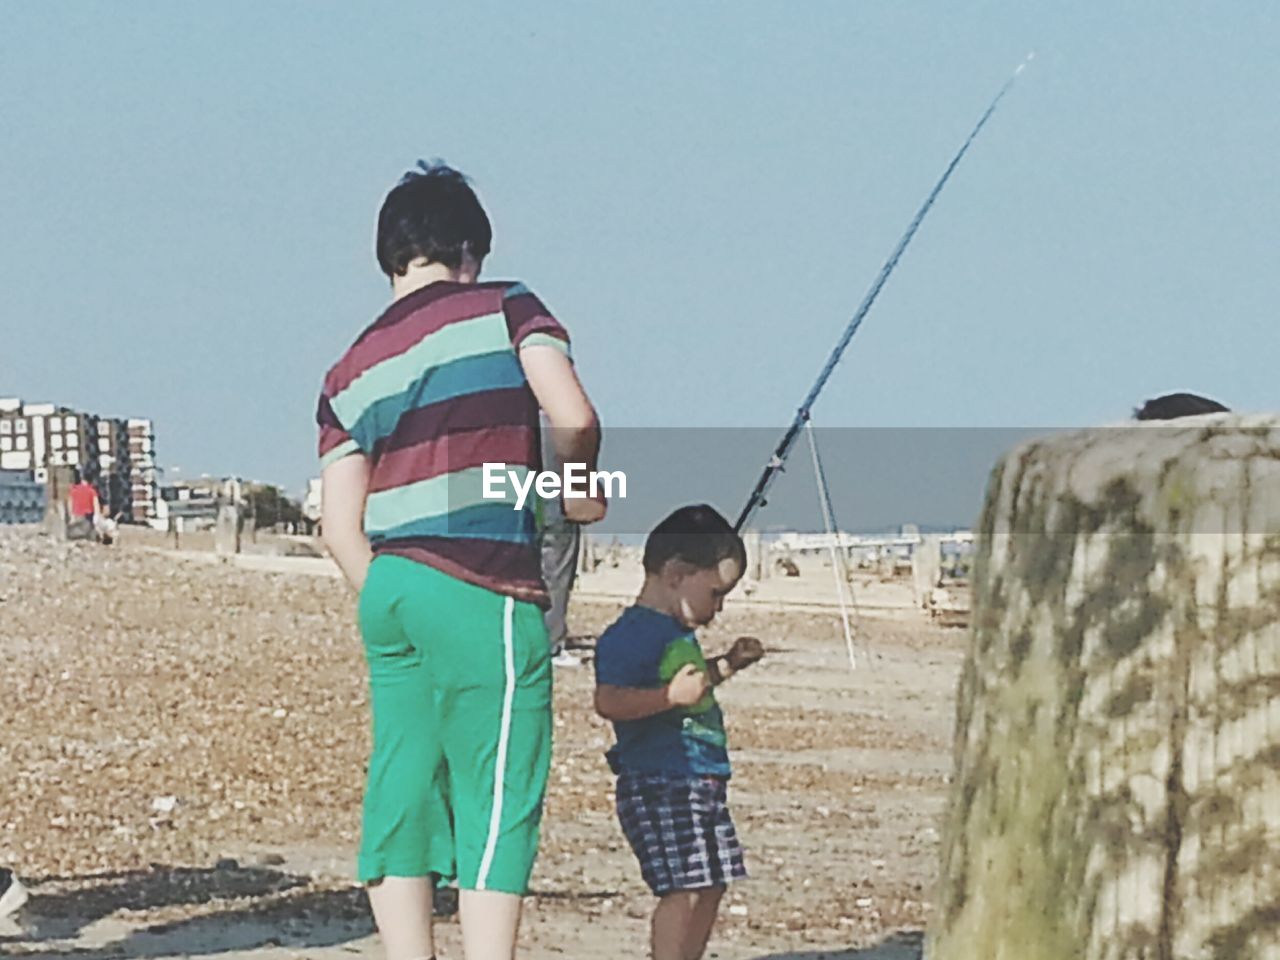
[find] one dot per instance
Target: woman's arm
(344, 489)
(575, 429)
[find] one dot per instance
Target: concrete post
(755, 555)
(926, 568)
(55, 503)
(1116, 794)
(226, 531)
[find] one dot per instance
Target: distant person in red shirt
(84, 509)
(83, 500)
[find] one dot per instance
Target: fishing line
(779, 458)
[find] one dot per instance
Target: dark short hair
(1171, 406)
(431, 213)
(697, 535)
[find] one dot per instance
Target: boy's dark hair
(697, 535)
(1171, 406)
(431, 213)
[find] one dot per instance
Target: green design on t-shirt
(681, 651)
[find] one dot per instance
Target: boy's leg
(705, 907)
(405, 835)
(724, 859)
(671, 921)
(682, 923)
(683, 836)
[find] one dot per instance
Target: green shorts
(461, 693)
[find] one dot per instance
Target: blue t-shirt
(645, 648)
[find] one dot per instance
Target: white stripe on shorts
(500, 764)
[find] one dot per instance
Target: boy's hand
(583, 509)
(687, 687)
(744, 652)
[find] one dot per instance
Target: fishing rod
(779, 458)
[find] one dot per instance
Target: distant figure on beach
(1171, 406)
(84, 509)
(450, 377)
(560, 541)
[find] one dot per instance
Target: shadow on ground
(247, 908)
(575, 895)
(282, 909)
(903, 945)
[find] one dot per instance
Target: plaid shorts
(680, 830)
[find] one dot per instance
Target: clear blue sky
(701, 191)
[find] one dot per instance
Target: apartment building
(115, 455)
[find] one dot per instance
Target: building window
(6, 427)
(55, 423)
(73, 457)
(22, 443)
(55, 441)
(70, 423)
(6, 444)
(20, 426)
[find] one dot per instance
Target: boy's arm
(344, 488)
(630, 703)
(575, 429)
(744, 652)
(635, 703)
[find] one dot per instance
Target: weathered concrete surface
(1116, 791)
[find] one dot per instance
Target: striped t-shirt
(430, 392)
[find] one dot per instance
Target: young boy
(450, 377)
(671, 759)
(84, 509)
